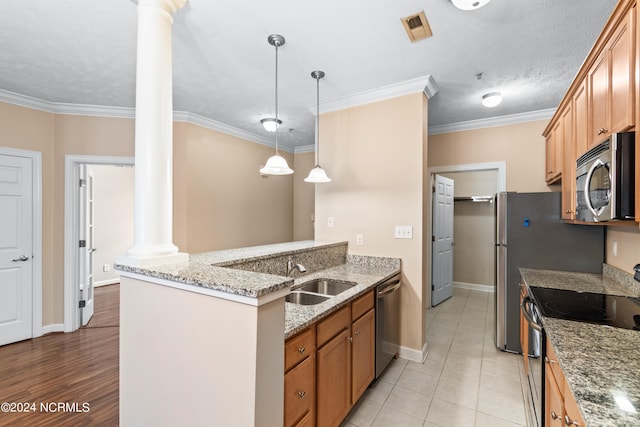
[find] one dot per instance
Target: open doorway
(98, 228)
(474, 222)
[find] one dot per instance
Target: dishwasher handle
(389, 288)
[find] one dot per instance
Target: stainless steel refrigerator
(530, 233)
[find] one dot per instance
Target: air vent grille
(417, 26)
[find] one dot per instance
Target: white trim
(511, 119)
(71, 177)
(54, 327)
(305, 149)
(413, 354)
(36, 296)
(385, 92)
(501, 167)
(255, 302)
(475, 287)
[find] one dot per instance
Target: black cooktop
(613, 310)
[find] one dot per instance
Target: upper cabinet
(603, 99)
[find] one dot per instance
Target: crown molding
(305, 149)
(130, 113)
(493, 122)
(385, 92)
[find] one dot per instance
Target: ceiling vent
(417, 26)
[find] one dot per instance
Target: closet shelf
(476, 199)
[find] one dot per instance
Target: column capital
(170, 6)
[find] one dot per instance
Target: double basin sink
(317, 291)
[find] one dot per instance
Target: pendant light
(469, 4)
(276, 164)
(317, 174)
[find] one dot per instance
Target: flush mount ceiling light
(270, 124)
(317, 174)
(469, 4)
(491, 99)
(276, 164)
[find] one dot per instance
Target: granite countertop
(208, 270)
(365, 271)
(600, 363)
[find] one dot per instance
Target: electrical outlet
(106, 268)
(404, 232)
(359, 240)
(330, 222)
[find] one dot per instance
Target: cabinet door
(300, 392)
(569, 165)
(524, 330)
(571, 411)
(363, 366)
(553, 402)
(598, 78)
(622, 75)
(581, 134)
(334, 380)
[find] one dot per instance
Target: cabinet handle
(549, 361)
(301, 350)
(301, 394)
(554, 416)
(568, 212)
(569, 422)
(357, 333)
(350, 339)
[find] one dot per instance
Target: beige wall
(628, 242)
(214, 206)
(221, 201)
(521, 146)
(113, 218)
(303, 197)
(375, 153)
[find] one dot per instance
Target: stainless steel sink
(305, 298)
(326, 286)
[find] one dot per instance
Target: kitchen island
(600, 363)
(209, 333)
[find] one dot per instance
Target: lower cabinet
(560, 405)
(335, 376)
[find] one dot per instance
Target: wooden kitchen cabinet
(524, 330)
(363, 328)
(553, 158)
(611, 82)
(560, 405)
(334, 368)
(300, 379)
(568, 164)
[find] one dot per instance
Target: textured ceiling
(84, 52)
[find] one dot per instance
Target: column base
(150, 261)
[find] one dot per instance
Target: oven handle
(587, 199)
(523, 307)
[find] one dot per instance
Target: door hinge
(82, 303)
(82, 244)
(83, 182)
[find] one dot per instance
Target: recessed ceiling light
(269, 124)
(469, 4)
(491, 99)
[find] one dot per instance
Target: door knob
(22, 258)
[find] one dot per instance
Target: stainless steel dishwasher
(387, 322)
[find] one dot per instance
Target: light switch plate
(330, 222)
(359, 240)
(404, 232)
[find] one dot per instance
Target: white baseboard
(55, 327)
(106, 282)
(413, 354)
(474, 287)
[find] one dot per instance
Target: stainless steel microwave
(605, 180)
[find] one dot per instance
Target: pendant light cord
(317, 121)
(276, 98)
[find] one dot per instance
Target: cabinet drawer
(333, 324)
(552, 361)
(300, 347)
(361, 305)
(300, 392)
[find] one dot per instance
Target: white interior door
(86, 247)
(16, 248)
(442, 245)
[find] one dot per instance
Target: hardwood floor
(66, 379)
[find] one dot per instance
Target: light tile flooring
(465, 381)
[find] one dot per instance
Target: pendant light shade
(469, 4)
(276, 164)
(270, 124)
(317, 174)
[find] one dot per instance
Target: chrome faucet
(291, 267)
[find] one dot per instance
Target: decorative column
(153, 203)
